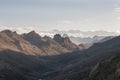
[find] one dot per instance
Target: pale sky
(61, 14)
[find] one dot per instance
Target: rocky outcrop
(13, 41)
(46, 44)
(33, 44)
(65, 42)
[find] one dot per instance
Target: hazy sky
(61, 14)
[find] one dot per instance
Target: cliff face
(65, 42)
(13, 41)
(46, 44)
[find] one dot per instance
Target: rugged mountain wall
(65, 42)
(32, 43)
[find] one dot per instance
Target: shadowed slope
(13, 41)
(18, 66)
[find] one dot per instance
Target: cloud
(69, 22)
(117, 9)
(66, 22)
(20, 30)
(75, 33)
(116, 14)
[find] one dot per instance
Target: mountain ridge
(32, 43)
(28, 55)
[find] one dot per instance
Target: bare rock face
(65, 42)
(33, 44)
(13, 41)
(46, 44)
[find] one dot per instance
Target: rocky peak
(65, 42)
(8, 32)
(33, 34)
(58, 38)
(47, 44)
(32, 37)
(61, 39)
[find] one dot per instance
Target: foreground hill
(107, 69)
(18, 66)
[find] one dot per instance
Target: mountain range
(30, 56)
(88, 40)
(51, 33)
(33, 44)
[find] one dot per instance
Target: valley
(32, 57)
